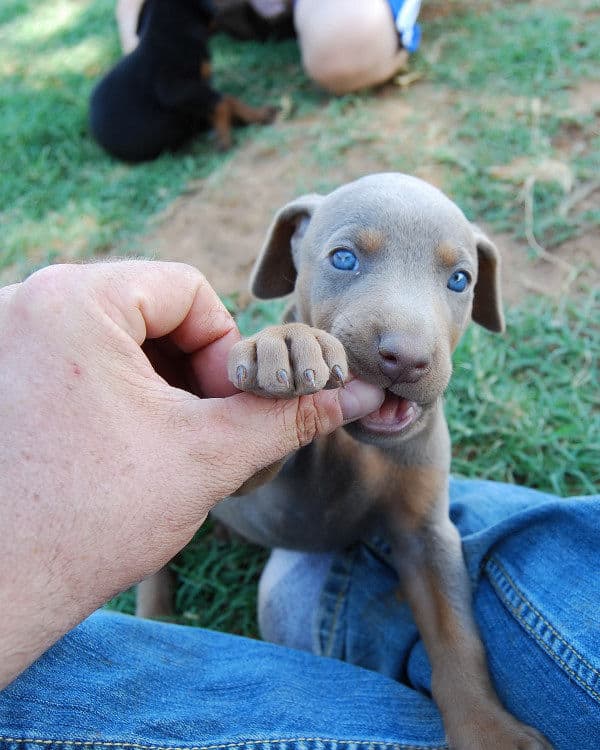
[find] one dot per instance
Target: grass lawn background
(522, 407)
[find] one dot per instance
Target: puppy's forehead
(388, 207)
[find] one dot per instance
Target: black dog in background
(159, 96)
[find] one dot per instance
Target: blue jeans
(117, 681)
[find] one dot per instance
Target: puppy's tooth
(310, 377)
(240, 375)
(336, 371)
(282, 377)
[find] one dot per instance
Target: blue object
(458, 282)
(405, 14)
(120, 682)
(344, 260)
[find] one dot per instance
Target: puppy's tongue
(394, 414)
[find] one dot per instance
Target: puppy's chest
(351, 490)
(339, 470)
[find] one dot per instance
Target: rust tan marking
(455, 334)
(411, 494)
(370, 239)
(221, 122)
(374, 468)
(448, 617)
(448, 255)
(205, 70)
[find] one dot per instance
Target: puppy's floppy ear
(274, 273)
(487, 303)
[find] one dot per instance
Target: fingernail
(241, 374)
(358, 399)
(310, 377)
(282, 376)
(336, 371)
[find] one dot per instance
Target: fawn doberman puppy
(160, 95)
(386, 273)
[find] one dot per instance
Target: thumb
(246, 433)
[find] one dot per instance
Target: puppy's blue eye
(459, 281)
(344, 260)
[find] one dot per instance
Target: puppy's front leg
(154, 596)
(429, 560)
(230, 109)
(285, 361)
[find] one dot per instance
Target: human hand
(106, 468)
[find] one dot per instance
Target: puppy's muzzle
(401, 362)
(402, 358)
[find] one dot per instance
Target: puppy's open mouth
(394, 415)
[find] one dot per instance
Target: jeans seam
(515, 600)
(283, 740)
(337, 585)
(334, 621)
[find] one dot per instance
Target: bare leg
(347, 45)
(127, 13)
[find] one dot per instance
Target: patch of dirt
(569, 270)
(585, 98)
(220, 224)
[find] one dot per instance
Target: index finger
(150, 299)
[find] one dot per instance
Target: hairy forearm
(52, 571)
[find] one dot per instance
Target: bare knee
(346, 45)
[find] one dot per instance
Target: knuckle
(238, 352)
(213, 314)
(339, 350)
(50, 280)
(312, 420)
(274, 332)
(196, 275)
(44, 293)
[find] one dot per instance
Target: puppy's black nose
(402, 358)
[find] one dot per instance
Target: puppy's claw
(310, 378)
(336, 372)
(282, 377)
(240, 375)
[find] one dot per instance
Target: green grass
(61, 197)
(216, 584)
(517, 48)
(522, 407)
(488, 137)
(512, 69)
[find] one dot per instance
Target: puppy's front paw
(287, 361)
(498, 730)
(267, 115)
